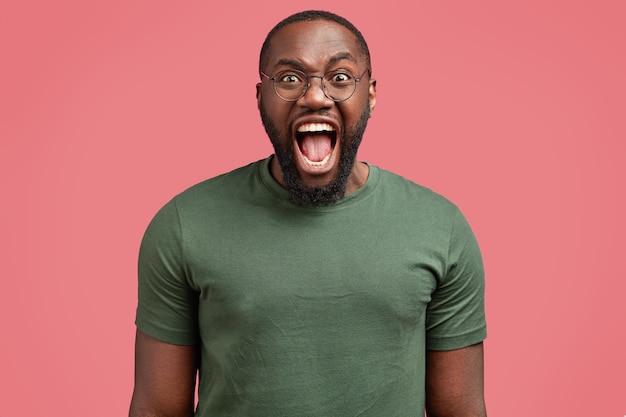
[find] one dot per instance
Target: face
(316, 139)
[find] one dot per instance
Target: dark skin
(454, 383)
(165, 374)
(316, 48)
(165, 377)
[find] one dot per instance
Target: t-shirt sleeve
(167, 303)
(455, 316)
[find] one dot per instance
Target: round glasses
(291, 85)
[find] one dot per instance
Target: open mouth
(316, 142)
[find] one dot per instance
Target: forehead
(313, 45)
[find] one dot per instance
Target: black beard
(301, 193)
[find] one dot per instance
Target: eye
(289, 78)
(339, 78)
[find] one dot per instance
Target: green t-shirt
(321, 312)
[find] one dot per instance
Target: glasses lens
(340, 85)
(290, 84)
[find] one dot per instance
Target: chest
(264, 269)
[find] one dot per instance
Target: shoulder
(237, 188)
(230, 182)
(414, 197)
(211, 198)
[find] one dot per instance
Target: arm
(165, 377)
(454, 383)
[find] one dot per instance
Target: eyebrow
(341, 57)
(297, 64)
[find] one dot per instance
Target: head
(315, 137)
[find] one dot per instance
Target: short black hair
(311, 16)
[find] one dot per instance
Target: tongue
(316, 147)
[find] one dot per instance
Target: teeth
(317, 164)
(315, 127)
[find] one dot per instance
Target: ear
(372, 95)
(258, 96)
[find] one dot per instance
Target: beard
(301, 193)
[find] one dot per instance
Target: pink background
(514, 111)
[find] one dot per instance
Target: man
(310, 284)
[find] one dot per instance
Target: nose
(314, 96)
